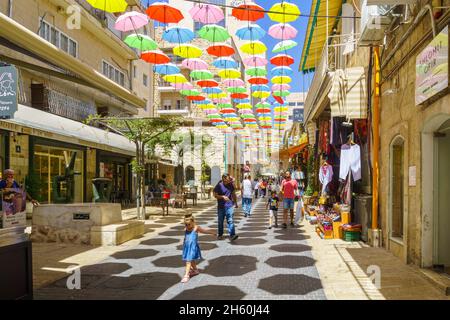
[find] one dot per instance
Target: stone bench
(117, 233)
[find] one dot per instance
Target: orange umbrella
(282, 60)
(165, 13)
(195, 98)
(155, 57)
(258, 80)
(208, 83)
(239, 95)
(248, 12)
(221, 50)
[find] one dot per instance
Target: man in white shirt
(247, 195)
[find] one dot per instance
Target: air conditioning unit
(375, 19)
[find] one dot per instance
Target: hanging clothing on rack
(350, 161)
(325, 176)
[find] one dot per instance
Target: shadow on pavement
(290, 248)
(211, 293)
(228, 266)
(290, 262)
(161, 241)
(293, 236)
(292, 284)
(175, 233)
(248, 242)
(135, 254)
(204, 246)
(169, 262)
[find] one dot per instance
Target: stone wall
(19, 160)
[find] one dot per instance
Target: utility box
(363, 214)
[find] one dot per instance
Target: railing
(162, 83)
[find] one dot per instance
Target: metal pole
(376, 139)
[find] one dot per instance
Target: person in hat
(8, 182)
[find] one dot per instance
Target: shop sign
(432, 68)
(298, 115)
(13, 211)
(8, 92)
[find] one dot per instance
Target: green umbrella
(202, 75)
(190, 92)
(237, 90)
(284, 45)
(247, 116)
(214, 116)
(281, 93)
(214, 33)
(256, 72)
(225, 105)
(141, 42)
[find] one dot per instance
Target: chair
(179, 200)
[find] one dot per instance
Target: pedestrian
(247, 195)
(256, 188)
(225, 194)
(289, 190)
(272, 204)
(263, 186)
(191, 249)
(10, 185)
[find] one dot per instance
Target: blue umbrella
(281, 71)
(260, 88)
(225, 63)
(168, 68)
(178, 35)
(252, 32)
(242, 100)
(212, 90)
(229, 115)
(206, 101)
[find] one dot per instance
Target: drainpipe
(10, 8)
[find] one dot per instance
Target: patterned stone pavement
(262, 264)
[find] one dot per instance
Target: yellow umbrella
(244, 106)
(221, 126)
(265, 118)
(261, 94)
(284, 12)
(112, 6)
(280, 109)
(207, 106)
(231, 119)
(255, 47)
(229, 73)
(217, 95)
(281, 79)
(187, 51)
(175, 78)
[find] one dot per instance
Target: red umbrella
(263, 110)
(250, 120)
(165, 13)
(221, 50)
(227, 110)
(266, 127)
(282, 60)
(239, 95)
(195, 98)
(258, 80)
(208, 83)
(248, 12)
(155, 56)
(216, 120)
(279, 99)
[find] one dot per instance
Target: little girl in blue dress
(191, 249)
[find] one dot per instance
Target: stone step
(117, 233)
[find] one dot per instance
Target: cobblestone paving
(262, 264)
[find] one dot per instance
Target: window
(134, 72)
(178, 104)
(58, 39)
(113, 73)
(145, 80)
(397, 188)
(167, 105)
(291, 104)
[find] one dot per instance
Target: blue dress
(191, 249)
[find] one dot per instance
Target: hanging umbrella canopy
(207, 13)
(256, 72)
(232, 83)
(195, 64)
(248, 116)
(192, 92)
(165, 13)
(187, 51)
(236, 89)
(155, 57)
(281, 79)
(175, 78)
(225, 63)
(260, 87)
(168, 68)
(178, 34)
(207, 83)
(206, 104)
(252, 32)
(212, 90)
(229, 73)
(246, 111)
(282, 71)
(284, 46)
(217, 95)
(141, 42)
(262, 105)
(214, 33)
(280, 109)
(240, 96)
(131, 21)
(283, 31)
(221, 50)
(223, 101)
(254, 47)
(263, 110)
(258, 80)
(240, 100)
(281, 93)
(228, 110)
(244, 106)
(282, 60)
(201, 75)
(255, 61)
(265, 118)
(261, 94)
(248, 12)
(111, 6)
(196, 98)
(284, 12)
(281, 87)
(182, 86)
(225, 105)
(214, 116)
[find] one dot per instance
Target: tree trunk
(142, 188)
(138, 182)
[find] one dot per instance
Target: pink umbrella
(255, 61)
(245, 111)
(195, 64)
(207, 13)
(224, 100)
(283, 31)
(182, 86)
(130, 21)
(233, 82)
(281, 87)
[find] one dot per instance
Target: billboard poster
(298, 115)
(8, 92)
(14, 211)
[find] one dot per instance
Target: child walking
(273, 210)
(191, 249)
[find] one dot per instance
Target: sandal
(185, 279)
(194, 273)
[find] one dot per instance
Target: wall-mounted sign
(298, 115)
(8, 92)
(432, 68)
(81, 216)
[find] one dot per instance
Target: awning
(348, 93)
(39, 123)
(292, 151)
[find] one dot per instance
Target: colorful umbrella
(221, 50)
(281, 79)
(168, 68)
(192, 92)
(237, 90)
(284, 12)
(261, 94)
(165, 13)
(206, 103)
(112, 6)
(255, 61)
(187, 51)
(280, 109)
(182, 86)
(207, 13)
(178, 35)
(175, 78)
(283, 31)
(225, 63)
(131, 21)
(196, 98)
(239, 96)
(141, 42)
(256, 72)
(282, 60)
(229, 73)
(255, 47)
(194, 64)
(281, 87)
(248, 116)
(217, 95)
(260, 87)
(214, 33)
(251, 32)
(208, 83)
(258, 80)
(282, 71)
(284, 46)
(233, 82)
(244, 106)
(212, 90)
(281, 93)
(201, 75)
(155, 57)
(248, 12)
(241, 100)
